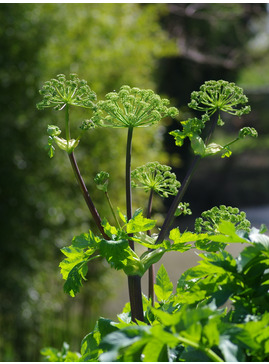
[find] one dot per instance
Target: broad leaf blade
(163, 287)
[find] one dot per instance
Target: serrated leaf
(75, 277)
(86, 240)
(180, 240)
(122, 217)
(120, 256)
(74, 256)
(163, 287)
(115, 252)
(139, 223)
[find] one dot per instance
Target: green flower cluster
(183, 209)
(220, 96)
(157, 177)
(132, 107)
(209, 220)
(101, 180)
(59, 92)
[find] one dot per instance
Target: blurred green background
(171, 48)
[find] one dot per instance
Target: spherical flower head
(209, 220)
(59, 92)
(220, 96)
(132, 107)
(157, 177)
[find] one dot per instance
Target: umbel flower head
(157, 177)
(59, 92)
(220, 96)
(209, 220)
(132, 107)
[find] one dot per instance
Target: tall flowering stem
(60, 93)
(157, 179)
(131, 108)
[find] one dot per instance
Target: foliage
(193, 323)
(217, 313)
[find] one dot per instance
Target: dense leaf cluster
(218, 312)
(197, 322)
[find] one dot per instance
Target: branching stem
(86, 195)
(151, 278)
(181, 192)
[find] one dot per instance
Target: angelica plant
(130, 108)
(162, 335)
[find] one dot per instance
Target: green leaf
(86, 240)
(163, 287)
(120, 256)
(74, 279)
(74, 267)
(74, 256)
(139, 223)
(155, 351)
(123, 217)
(115, 252)
(180, 240)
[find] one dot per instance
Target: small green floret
(157, 177)
(59, 92)
(132, 107)
(220, 96)
(101, 180)
(183, 209)
(209, 220)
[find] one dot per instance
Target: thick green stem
(86, 195)
(170, 215)
(128, 174)
(151, 278)
(134, 282)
